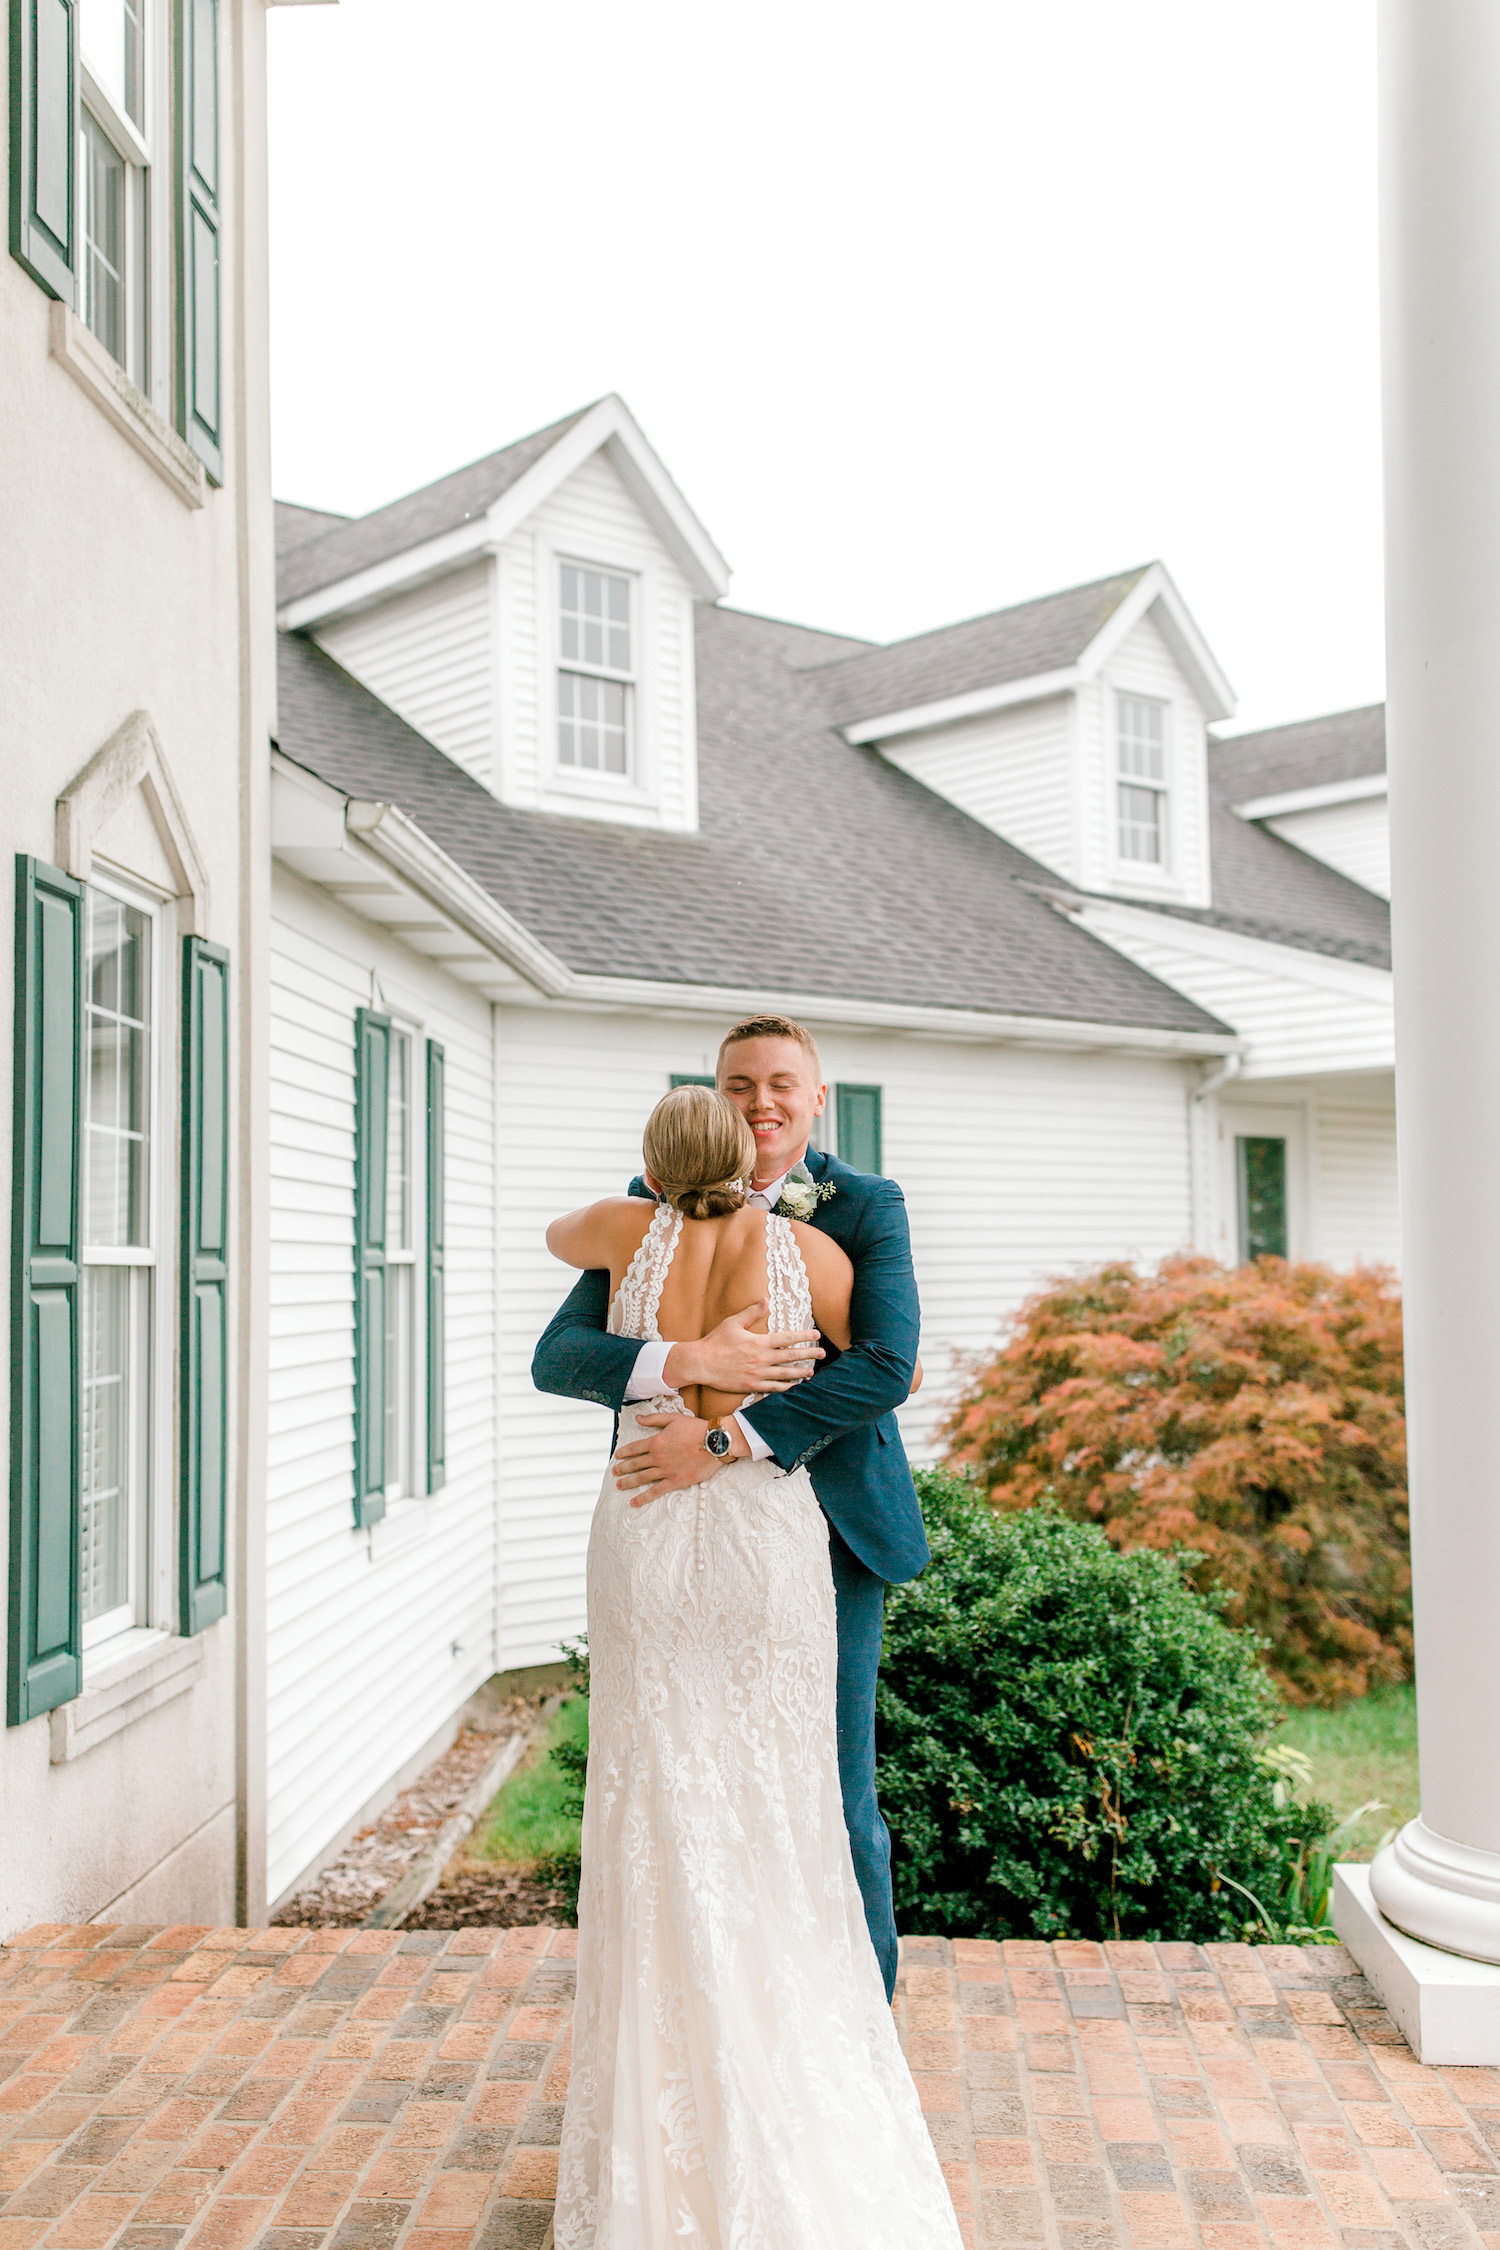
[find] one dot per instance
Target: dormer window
(1141, 765)
(596, 678)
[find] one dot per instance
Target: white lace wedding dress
(737, 2083)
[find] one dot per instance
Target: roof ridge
(1125, 579)
(1293, 726)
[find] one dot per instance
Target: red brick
(1407, 2175)
(1294, 2222)
(92, 2221)
(532, 2173)
(231, 2223)
(1157, 2222)
(1354, 2199)
(456, 2199)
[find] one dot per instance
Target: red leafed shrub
(1253, 1415)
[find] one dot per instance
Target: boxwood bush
(1071, 1739)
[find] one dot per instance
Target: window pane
(592, 727)
(1262, 1186)
(103, 240)
(1141, 737)
(594, 624)
(104, 1546)
(113, 47)
(398, 1146)
(117, 1087)
(1140, 824)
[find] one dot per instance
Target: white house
(137, 687)
(547, 814)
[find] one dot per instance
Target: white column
(1440, 218)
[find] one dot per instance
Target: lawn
(1359, 1751)
(530, 1820)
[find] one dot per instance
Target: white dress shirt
(648, 1377)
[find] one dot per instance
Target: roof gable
(429, 531)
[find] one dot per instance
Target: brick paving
(332, 2089)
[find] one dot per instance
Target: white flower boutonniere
(801, 1194)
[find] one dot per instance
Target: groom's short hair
(771, 1027)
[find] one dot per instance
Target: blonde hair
(772, 1027)
(700, 1152)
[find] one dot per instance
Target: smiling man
(841, 1421)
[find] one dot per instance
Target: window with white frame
(1141, 768)
(114, 174)
(595, 679)
(401, 1275)
(119, 1258)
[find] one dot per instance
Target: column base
(1447, 2006)
(1443, 1893)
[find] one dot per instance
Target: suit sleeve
(875, 1373)
(575, 1357)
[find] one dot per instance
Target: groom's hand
(673, 1457)
(730, 1358)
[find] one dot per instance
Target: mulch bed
(475, 1896)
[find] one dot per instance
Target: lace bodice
(637, 1301)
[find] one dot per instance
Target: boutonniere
(801, 1194)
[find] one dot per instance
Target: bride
(737, 2083)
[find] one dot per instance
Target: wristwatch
(717, 1441)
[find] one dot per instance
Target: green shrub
(1072, 1741)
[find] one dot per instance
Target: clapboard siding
(361, 1626)
(592, 518)
(430, 655)
(1015, 1164)
(1356, 839)
(1144, 665)
(1012, 770)
(1359, 1217)
(1299, 1012)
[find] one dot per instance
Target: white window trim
(1143, 874)
(152, 1604)
(640, 788)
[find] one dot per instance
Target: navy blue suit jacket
(842, 1422)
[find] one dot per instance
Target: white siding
(1300, 1012)
(1358, 1215)
(361, 1626)
(1144, 665)
(1012, 770)
(1015, 1164)
(1355, 838)
(592, 518)
(430, 655)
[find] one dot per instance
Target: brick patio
(225, 2089)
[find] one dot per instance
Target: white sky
(928, 308)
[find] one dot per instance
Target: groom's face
(775, 1083)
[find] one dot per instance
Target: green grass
(529, 1819)
(1358, 1751)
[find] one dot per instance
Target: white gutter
(404, 847)
(972, 705)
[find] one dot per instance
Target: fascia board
(972, 705)
(1313, 799)
(1156, 591)
(1325, 970)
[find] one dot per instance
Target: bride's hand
(731, 1359)
(673, 1457)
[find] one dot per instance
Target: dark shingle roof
(1345, 746)
(296, 526)
(422, 515)
(1008, 644)
(818, 868)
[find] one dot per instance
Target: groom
(841, 1423)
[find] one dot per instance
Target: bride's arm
(596, 1235)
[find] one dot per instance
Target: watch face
(718, 1442)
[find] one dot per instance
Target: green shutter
(203, 1362)
(437, 1400)
(46, 1628)
(857, 1110)
(199, 263)
(44, 143)
(690, 1078)
(372, 1073)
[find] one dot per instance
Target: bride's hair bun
(700, 1152)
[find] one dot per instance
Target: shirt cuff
(648, 1377)
(759, 1450)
